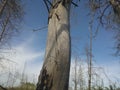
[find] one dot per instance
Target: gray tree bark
(55, 71)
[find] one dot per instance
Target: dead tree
(55, 71)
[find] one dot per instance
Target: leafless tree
(11, 14)
(55, 71)
(75, 72)
(89, 54)
(107, 14)
(81, 75)
(89, 63)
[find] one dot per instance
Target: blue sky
(30, 46)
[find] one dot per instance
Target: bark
(55, 71)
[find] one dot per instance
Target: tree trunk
(55, 71)
(90, 54)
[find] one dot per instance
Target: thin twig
(102, 14)
(42, 28)
(46, 5)
(74, 4)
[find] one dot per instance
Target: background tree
(11, 14)
(107, 15)
(78, 74)
(75, 72)
(81, 75)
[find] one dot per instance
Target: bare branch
(4, 27)
(3, 7)
(43, 28)
(102, 14)
(74, 4)
(46, 5)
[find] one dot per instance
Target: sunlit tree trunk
(55, 71)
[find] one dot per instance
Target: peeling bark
(55, 71)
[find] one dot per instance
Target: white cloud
(21, 54)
